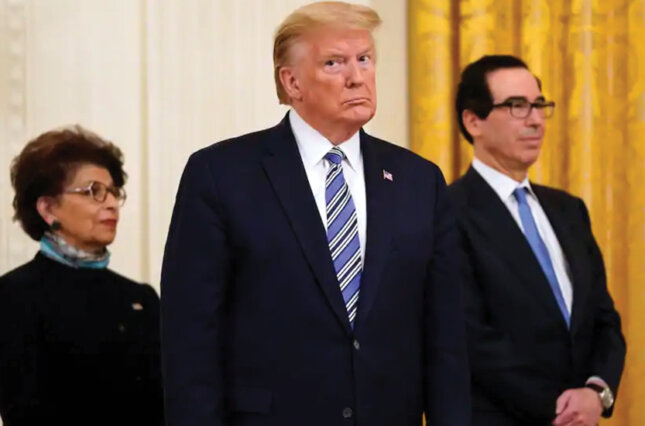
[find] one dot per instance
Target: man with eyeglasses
(545, 342)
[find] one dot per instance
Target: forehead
(511, 82)
(88, 172)
(328, 40)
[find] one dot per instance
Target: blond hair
(312, 16)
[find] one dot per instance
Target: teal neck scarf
(56, 248)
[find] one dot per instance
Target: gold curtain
(590, 56)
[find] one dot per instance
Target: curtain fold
(590, 58)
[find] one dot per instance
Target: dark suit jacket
(78, 347)
(521, 353)
(254, 329)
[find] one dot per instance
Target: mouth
(531, 140)
(531, 137)
(111, 223)
(357, 101)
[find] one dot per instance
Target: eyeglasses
(99, 191)
(521, 108)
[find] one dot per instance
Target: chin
(530, 155)
(528, 161)
(105, 240)
(360, 115)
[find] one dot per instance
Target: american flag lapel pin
(388, 176)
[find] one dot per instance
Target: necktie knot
(520, 194)
(335, 156)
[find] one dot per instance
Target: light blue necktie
(342, 232)
(540, 250)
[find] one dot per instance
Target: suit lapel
(496, 224)
(379, 206)
(284, 168)
(573, 251)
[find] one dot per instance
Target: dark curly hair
(49, 161)
(473, 92)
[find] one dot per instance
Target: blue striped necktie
(342, 232)
(540, 250)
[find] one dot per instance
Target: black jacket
(78, 346)
(522, 355)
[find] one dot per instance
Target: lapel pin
(388, 176)
(137, 306)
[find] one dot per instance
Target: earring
(55, 226)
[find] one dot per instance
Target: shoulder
(131, 287)
(399, 154)
(558, 198)
(457, 189)
(21, 277)
(247, 146)
(227, 159)
(463, 187)
(20, 288)
(565, 206)
(404, 160)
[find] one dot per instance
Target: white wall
(160, 78)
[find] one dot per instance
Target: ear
(290, 82)
(472, 123)
(46, 206)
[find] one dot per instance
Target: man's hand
(579, 407)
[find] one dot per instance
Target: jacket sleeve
(21, 356)
(151, 351)
(448, 375)
(609, 347)
(194, 281)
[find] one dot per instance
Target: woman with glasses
(78, 342)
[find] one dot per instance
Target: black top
(78, 346)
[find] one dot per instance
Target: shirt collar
(502, 184)
(313, 146)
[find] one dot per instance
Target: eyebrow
(333, 52)
(87, 183)
(523, 98)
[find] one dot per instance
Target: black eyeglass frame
(546, 107)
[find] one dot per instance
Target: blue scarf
(56, 248)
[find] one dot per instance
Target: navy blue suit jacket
(522, 355)
(254, 329)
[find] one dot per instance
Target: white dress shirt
(504, 186)
(313, 146)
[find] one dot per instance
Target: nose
(111, 201)
(535, 117)
(354, 74)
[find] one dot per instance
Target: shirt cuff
(597, 380)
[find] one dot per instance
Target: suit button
(357, 345)
(347, 413)
(121, 328)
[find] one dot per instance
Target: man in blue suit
(309, 276)
(544, 338)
